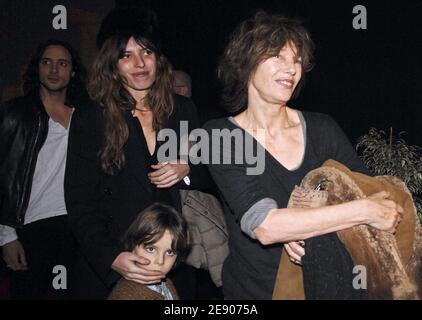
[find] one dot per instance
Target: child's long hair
(150, 225)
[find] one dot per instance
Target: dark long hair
(253, 41)
(107, 87)
(150, 225)
(76, 90)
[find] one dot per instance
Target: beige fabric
(207, 232)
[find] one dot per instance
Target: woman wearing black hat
(113, 172)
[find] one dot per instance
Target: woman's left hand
(295, 250)
(166, 175)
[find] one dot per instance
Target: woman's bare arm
(293, 224)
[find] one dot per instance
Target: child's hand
(130, 266)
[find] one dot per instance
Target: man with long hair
(115, 170)
(33, 146)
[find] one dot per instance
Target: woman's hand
(132, 267)
(295, 250)
(168, 174)
(384, 214)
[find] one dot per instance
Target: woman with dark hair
(262, 67)
(115, 170)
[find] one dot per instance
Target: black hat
(130, 21)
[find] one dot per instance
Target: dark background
(363, 78)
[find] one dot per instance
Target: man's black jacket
(23, 131)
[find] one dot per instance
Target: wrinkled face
(161, 255)
(55, 68)
(276, 77)
(138, 66)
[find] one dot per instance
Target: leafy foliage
(393, 156)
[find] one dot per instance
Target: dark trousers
(47, 243)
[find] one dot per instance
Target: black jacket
(23, 130)
(101, 207)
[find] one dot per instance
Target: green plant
(393, 156)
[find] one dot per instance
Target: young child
(159, 234)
